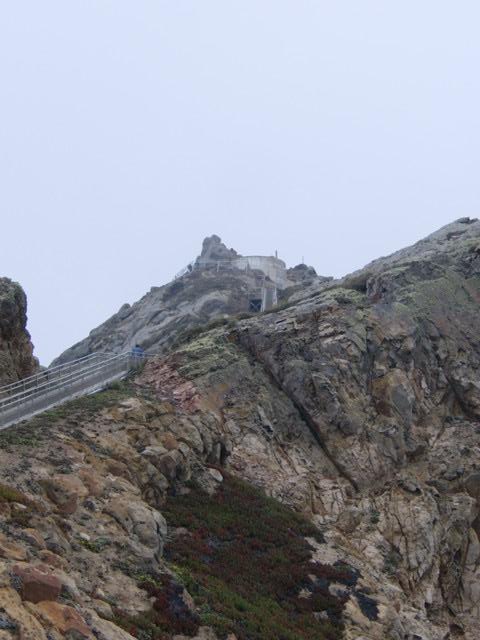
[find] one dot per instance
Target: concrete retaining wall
(272, 267)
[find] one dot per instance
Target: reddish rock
(10, 550)
(52, 559)
(36, 585)
(65, 619)
(14, 612)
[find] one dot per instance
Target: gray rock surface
(214, 249)
(359, 404)
(192, 300)
(16, 350)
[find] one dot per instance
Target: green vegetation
(35, 430)
(245, 560)
(10, 494)
(186, 336)
(18, 437)
(96, 546)
(22, 508)
(169, 615)
(92, 403)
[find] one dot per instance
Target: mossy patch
(192, 333)
(95, 546)
(208, 352)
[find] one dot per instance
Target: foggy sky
(337, 131)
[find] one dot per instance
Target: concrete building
(268, 273)
(273, 268)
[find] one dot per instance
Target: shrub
(245, 561)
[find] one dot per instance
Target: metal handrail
(86, 375)
(42, 374)
(62, 381)
(199, 263)
(43, 382)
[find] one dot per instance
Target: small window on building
(255, 305)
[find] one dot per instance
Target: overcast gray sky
(339, 131)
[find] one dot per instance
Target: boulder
(136, 518)
(472, 486)
(10, 550)
(64, 619)
(93, 481)
(65, 490)
(34, 538)
(20, 622)
(104, 629)
(118, 588)
(35, 584)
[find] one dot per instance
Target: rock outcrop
(214, 249)
(355, 405)
(195, 298)
(16, 350)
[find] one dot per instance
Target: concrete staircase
(23, 399)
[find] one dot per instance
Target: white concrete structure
(272, 267)
(263, 296)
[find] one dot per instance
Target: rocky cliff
(309, 473)
(192, 300)
(16, 350)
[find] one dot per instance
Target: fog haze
(333, 131)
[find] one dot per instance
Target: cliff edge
(16, 350)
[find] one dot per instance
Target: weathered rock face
(357, 404)
(214, 249)
(16, 350)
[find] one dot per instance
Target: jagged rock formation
(199, 296)
(16, 350)
(356, 404)
(214, 249)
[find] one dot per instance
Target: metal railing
(49, 374)
(51, 387)
(235, 263)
